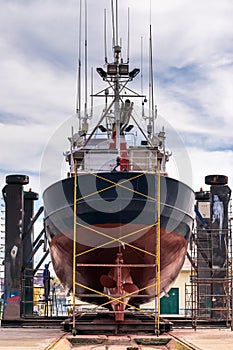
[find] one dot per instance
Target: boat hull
(117, 212)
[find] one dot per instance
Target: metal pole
(74, 244)
(78, 99)
(128, 36)
(117, 23)
(158, 245)
(85, 59)
(113, 25)
(105, 36)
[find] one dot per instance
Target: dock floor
(207, 339)
(55, 339)
(28, 338)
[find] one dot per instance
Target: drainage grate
(152, 341)
(86, 341)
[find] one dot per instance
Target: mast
(128, 36)
(117, 54)
(85, 60)
(152, 107)
(152, 113)
(143, 110)
(116, 114)
(78, 97)
(92, 91)
(105, 35)
(113, 25)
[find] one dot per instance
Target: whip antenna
(105, 35)
(153, 108)
(78, 97)
(116, 22)
(85, 59)
(128, 36)
(113, 25)
(142, 77)
(92, 91)
(151, 85)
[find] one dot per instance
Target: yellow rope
(158, 247)
(114, 184)
(129, 189)
(127, 295)
(115, 239)
(118, 299)
(54, 343)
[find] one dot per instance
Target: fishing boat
(118, 226)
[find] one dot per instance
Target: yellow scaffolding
(158, 249)
(156, 255)
(74, 243)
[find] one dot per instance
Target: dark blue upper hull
(118, 209)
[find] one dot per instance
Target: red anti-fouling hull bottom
(124, 275)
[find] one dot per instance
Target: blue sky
(193, 66)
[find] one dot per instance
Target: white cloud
(192, 60)
(207, 163)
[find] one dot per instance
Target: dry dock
(207, 339)
(55, 339)
(28, 338)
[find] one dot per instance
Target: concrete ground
(206, 339)
(55, 339)
(27, 338)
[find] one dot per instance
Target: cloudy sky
(193, 71)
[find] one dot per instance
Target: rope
(117, 299)
(115, 239)
(114, 184)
